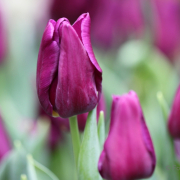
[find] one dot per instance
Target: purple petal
(76, 90)
(82, 27)
(47, 66)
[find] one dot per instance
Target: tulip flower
(83, 117)
(70, 9)
(115, 22)
(4, 140)
(174, 117)
(68, 75)
(166, 26)
(128, 151)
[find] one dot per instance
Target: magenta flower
(68, 75)
(71, 9)
(4, 140)
(128, 150)
(83, 117)
(114, 22)
(174, 117)
(167, 26)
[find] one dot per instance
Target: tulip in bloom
(68, 75)
(128, 150)
(174, 117)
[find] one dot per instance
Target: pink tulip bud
(128, 150)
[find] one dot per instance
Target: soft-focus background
(137, 44)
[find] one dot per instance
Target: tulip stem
(75, 137)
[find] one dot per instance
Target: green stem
(75, 137)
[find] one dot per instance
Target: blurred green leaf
(18, 163)
(101, 129)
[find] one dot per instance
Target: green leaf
(101, 129)
(37, 171)
(89, 150)
(17, 164)
(163, 104)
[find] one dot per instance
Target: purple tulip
(113, 22)
(167, 26)
(68, 74)
(128, 150)
(71, 9)
(5, 145)
(83, 117)
(174, 117)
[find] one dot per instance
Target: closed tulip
(128, 151)
(174, 117)
(68, 74)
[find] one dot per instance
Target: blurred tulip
(3, 40)
(128, 150)
(71, 9)
(174, 117)
(114, 21)
(5, 145)
(68, 75)
(166, 19)
(83, 117)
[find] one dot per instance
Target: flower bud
(128, 151)
(83, 117)
(4, 140)
(174, 117)
(68, 75)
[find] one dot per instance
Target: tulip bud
(68, 74)
(4, 140)
(128, 150)
(83, 117)
(174, 117)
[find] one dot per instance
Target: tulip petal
(47, 66)
(76, 92)
(82, 27)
